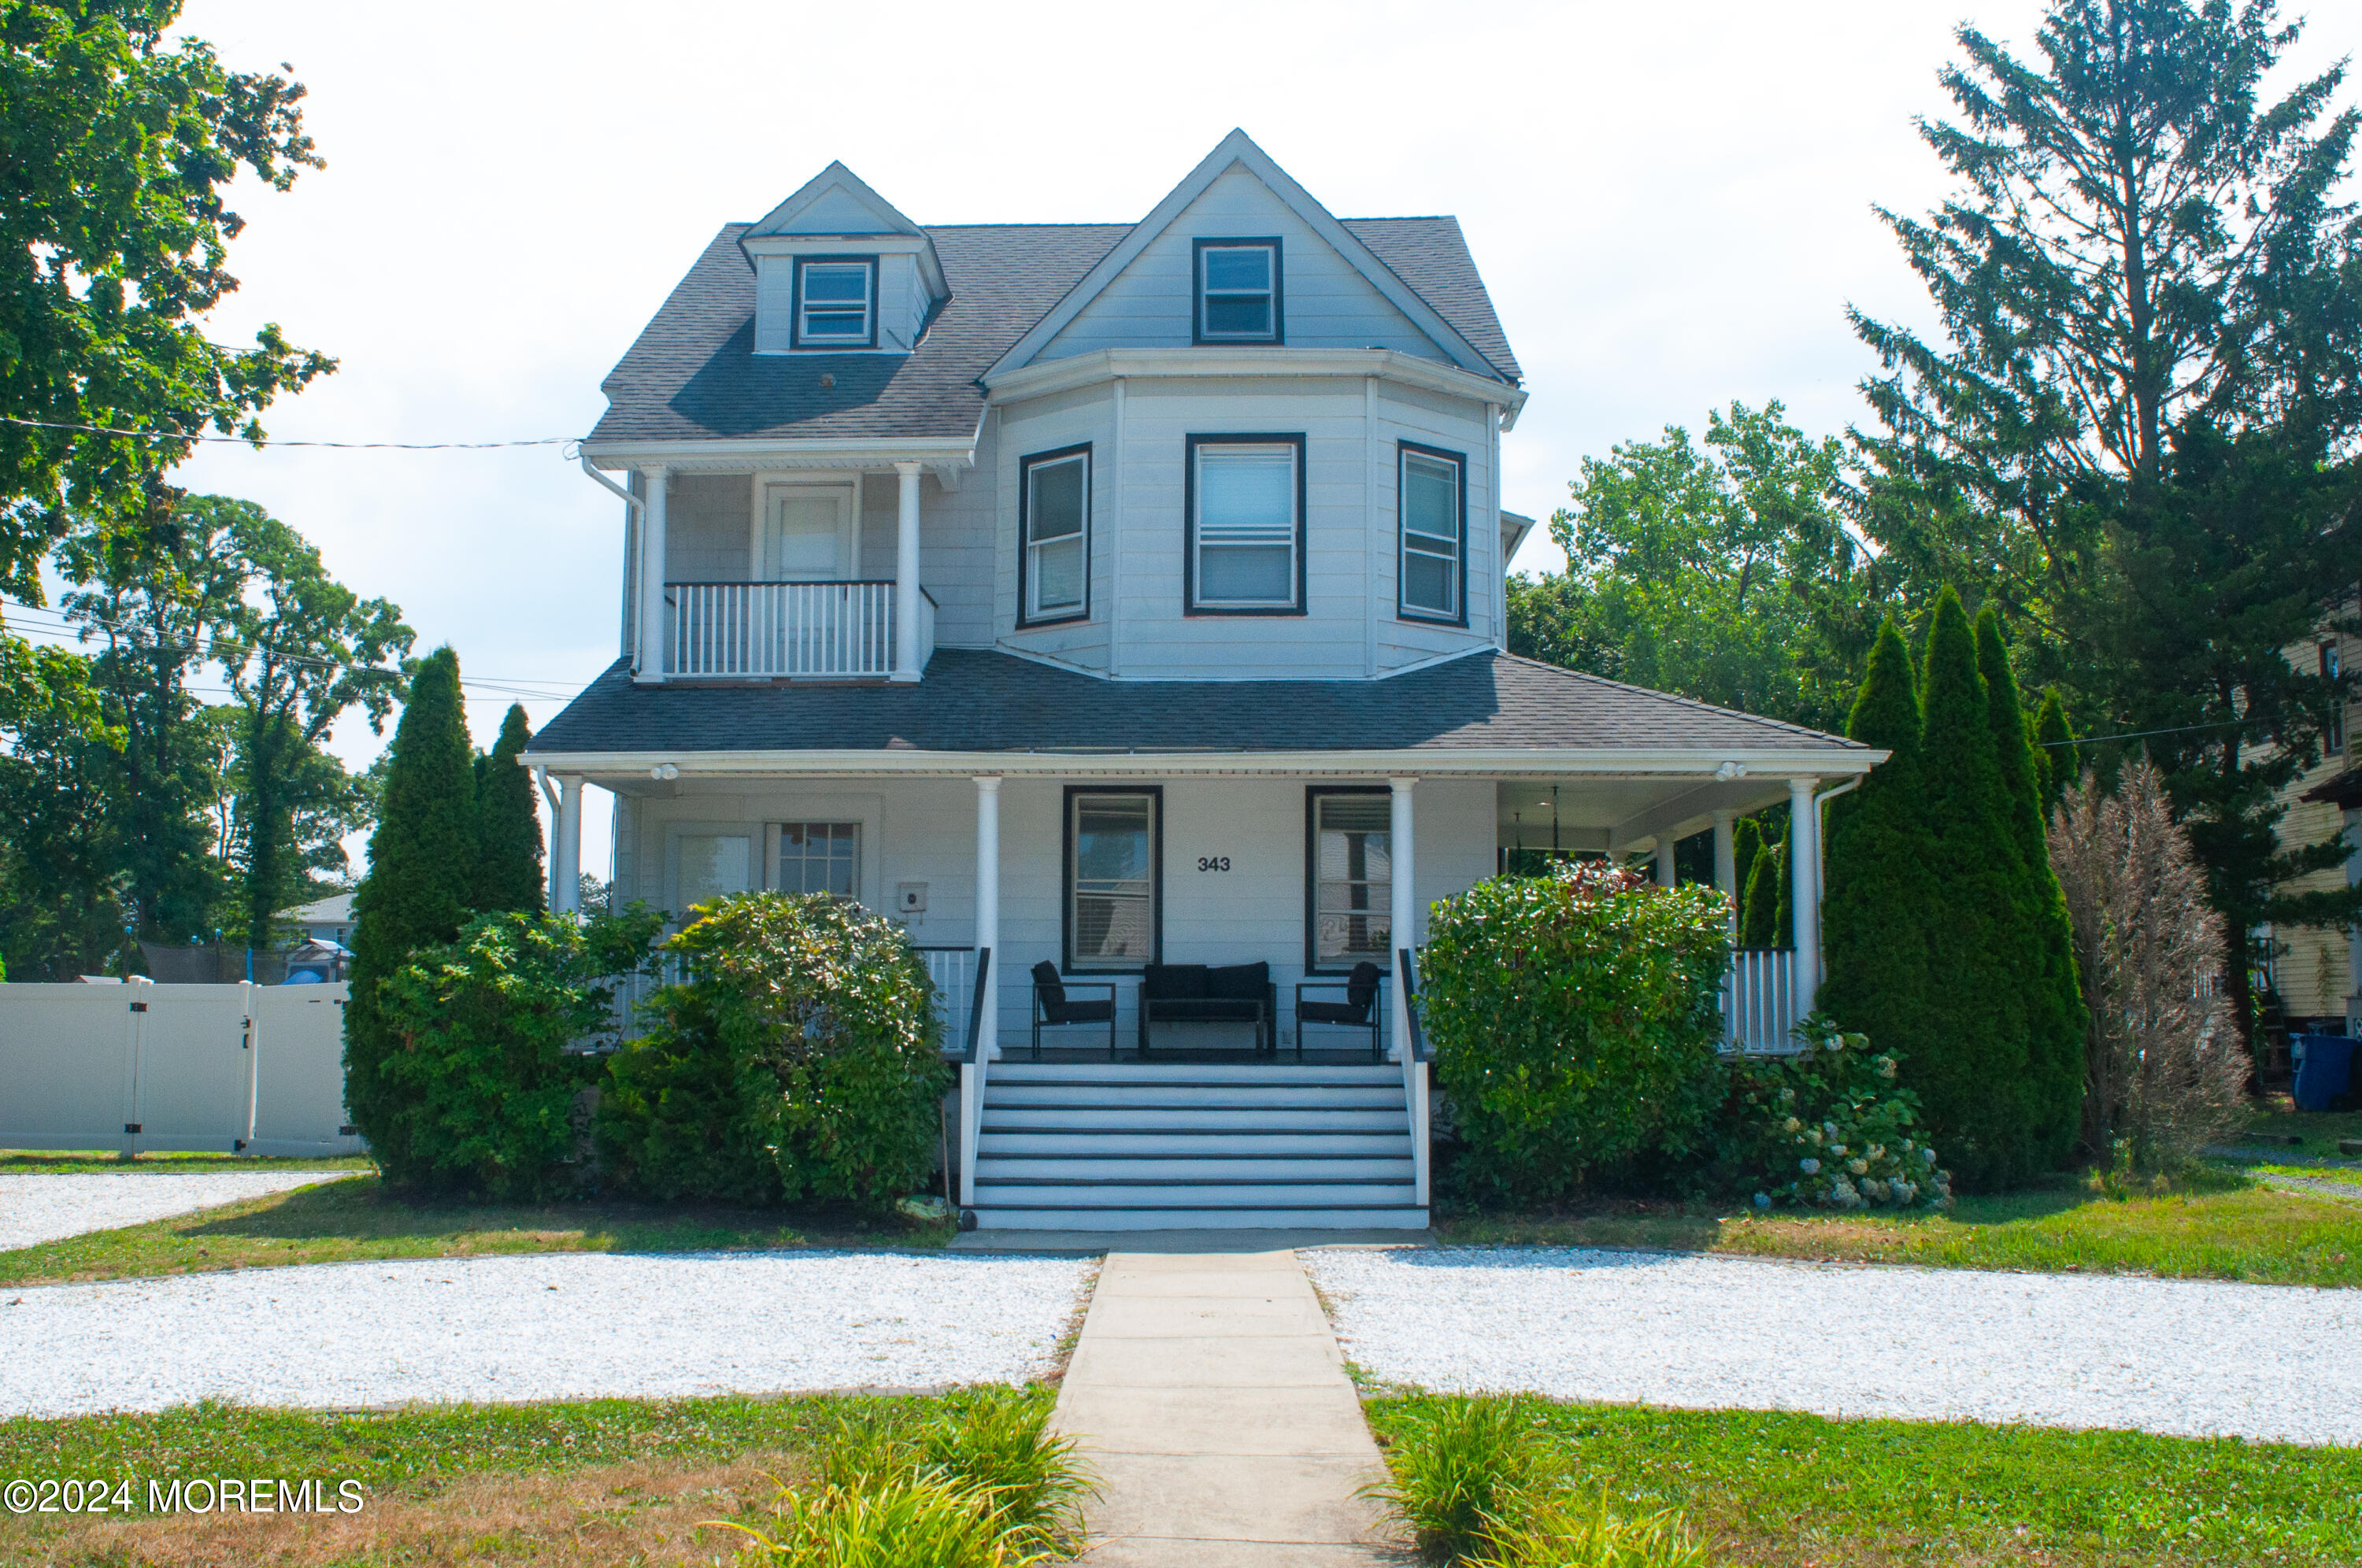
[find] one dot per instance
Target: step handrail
(1415, 1060)
(973, 1063)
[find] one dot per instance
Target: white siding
(924, 830)
(1046, 425)
(956, 546)
(1327, 303)
(708, 522)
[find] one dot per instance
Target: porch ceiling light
(1730, 770)
(664, 770)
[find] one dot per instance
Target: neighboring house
(2318, 973)
(1113, 596)
(327, 919)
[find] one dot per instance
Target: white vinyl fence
(142, 1067)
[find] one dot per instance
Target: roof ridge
(1686, 701)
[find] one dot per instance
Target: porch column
(1804, 887)
(566, 854)
(649, 666)
(1726, 864)
(988, 910)
(906, 575)
(1402, 918)
(1667, 876)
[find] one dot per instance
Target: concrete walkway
(1209, 1394)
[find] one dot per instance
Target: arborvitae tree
(1761, 919)
(2054, 748)
(1746, 843)
(508, 831)
(2054, 1001)
(1974, 1084)
(416, 891)
(1881, 894)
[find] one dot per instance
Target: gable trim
(1239, 148)
(836, 177)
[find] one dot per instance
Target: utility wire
(267, 441)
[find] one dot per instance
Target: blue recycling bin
(2327, 1070)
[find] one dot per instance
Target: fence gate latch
(131, 1127)
(139, 1007)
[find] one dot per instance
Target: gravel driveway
(547, 1327)
(37, 1209)
(2183, 1357)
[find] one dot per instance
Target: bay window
(1431, 497)
(1245, 496)
(1054, 514)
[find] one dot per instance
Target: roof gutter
(635, 503)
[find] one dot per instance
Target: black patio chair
(1053, 1008)
(1358, 1010)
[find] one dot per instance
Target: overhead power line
(269, 441)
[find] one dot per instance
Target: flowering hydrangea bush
(1828, 1129)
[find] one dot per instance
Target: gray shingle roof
(977, 701)
(692, 374)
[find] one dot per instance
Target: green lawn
(599, 1482)
(2247, 1232)
(103, 1161)
(1792, 1491)
(2321, 1129)
(355, 1219)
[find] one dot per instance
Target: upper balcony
(823, 628)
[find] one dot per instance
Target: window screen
(1057, 517)
(1111, 891)
(1430, 535)
(821, 857)
(1352, 879)
(1244, 534)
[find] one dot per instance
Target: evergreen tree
(1881, 894)
(1746, 843)
(1762, 914)
(416, 893)
(2054, 750)
(508, 831)
(2053, 1000)
(1973, 1079)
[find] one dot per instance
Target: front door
(809, 534)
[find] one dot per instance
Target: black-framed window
(821, 857)
(1239, 294)
(1243, 553)
(1054, 532)
(1348, 877)
(835, 302)
(1114, 877)
(1431, 534)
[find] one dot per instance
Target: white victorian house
(1123, 606)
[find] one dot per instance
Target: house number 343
(1213, 863)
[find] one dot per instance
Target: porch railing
(788, 628)
(1759, 1001)
(1414, 1066)
(953, 969)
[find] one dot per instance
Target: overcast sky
(1670, 204)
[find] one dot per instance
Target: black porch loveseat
(1197, 993)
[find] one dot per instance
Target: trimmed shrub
(798, 1060)
(1828, 1129)
(1574, 1018)
(494, 1030)
(1765, 917)
(415, 895)
(2054, 750)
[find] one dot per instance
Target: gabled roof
(978, 700)
(692, 374)
(1238, 149)
(834, 201)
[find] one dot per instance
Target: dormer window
(1238, 291)
(836, 301)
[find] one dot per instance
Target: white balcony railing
(787, 628)
(1759, 1004)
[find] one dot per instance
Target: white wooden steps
(1154, 1145)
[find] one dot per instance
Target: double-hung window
(1238, 291)
(1054, 508)
(821, 857)
(1245, 547)
(1350, 878)
(1432, 505)
(1114, 845)
(836, 301)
